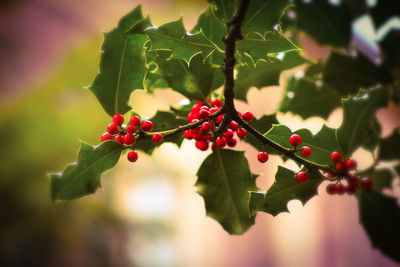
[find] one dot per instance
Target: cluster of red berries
(305, 151)
(203, 134)
(126, 134)
(345, 167)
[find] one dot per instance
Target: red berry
(340, 189)
(135, 120)
(331, 189)
(336, 156)
(247, 116)
(241, 133)
(118, 119)
(157, 137)
(228, 134)
(351, 190)
(305, 151)
(216, 102)
(205, 127)
(350, 164)
(302, 177)
(112, 128)
(366, 183)
(130, 129)
(147, 126)
(132, 156)
(105, 136)
(353, 180)
(204, 107)
(129, 139)
(330, 175)
(262, 157)
(196, 108)
(340, 167)
(220, 118)
(213, 110)
(232, 142)
(188, 134)
(200, 103)
(295, 140)
(190, 117)
(233, 125)
(204, 113)
(195, 131)
(198, 136)
(202, 145)
(119, 139)
(221, 141)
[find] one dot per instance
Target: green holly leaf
(261, 16)
(374, 133)
(224, 180)
(381, 178)
(306, 98)
(214, 30)
(353, 72)
(140, 26)
(122, 65)
(173, 37)
(223, 9)
(380, 217)
(358, 114)
(285, 188)
(258, 46)
(195, 81)
(264, 73)
(262, 125)
(83, 177)
(182, 111)
(357, 8)
(153, 81)
(326, 23)
(390, 146)
(163, 120)
(322, 144)
(211, 27)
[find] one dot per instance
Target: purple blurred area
(36, 34)
(148, 214)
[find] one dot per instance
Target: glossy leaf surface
(83, 177)
(122, 65)
(285, 188)
(224, 180)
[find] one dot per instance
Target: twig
(234, 34)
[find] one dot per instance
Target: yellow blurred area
(148, 213)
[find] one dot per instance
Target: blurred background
(148, 213)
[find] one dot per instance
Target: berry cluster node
(128, 134)
(205, 134)
(346, 168)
